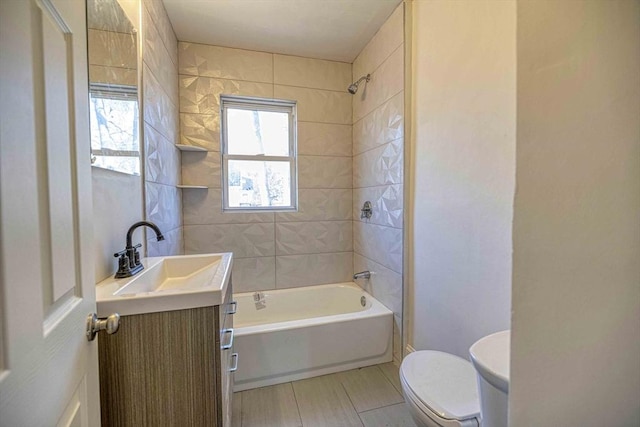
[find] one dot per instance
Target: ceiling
(325, 29)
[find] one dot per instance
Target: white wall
(117, 204)
(463, 155)
(576, 270)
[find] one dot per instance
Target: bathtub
(305, 332)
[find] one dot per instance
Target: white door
(48, 369)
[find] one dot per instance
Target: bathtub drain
(363, 301)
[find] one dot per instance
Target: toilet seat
(442, 387)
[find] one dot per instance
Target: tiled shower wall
(272, 250)
(378, 144)
(163, 199)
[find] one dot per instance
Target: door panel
(48, 368)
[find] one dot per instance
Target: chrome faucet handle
(362, 275)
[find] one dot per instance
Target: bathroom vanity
(171, 361)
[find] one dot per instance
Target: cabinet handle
(233, 310)
(228, 345)
(234, 356)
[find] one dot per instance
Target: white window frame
(261, 104)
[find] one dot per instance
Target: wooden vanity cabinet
(169, 368)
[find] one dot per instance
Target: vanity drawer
(228, 358)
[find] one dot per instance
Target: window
(258, 154)
(114, 127)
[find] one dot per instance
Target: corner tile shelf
(184, 147)
(198, 187)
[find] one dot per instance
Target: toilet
(440, 389)
(490, 358)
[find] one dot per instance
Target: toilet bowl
(440, 389)
(490, 357)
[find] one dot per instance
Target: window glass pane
(130, 165)
(254, 132)
(253, 183)
(114, 133)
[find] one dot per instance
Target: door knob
(95, 325)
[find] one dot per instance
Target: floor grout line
(349, 397)
(297, 404)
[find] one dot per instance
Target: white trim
(260, 104)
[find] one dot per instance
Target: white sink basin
(167, 283)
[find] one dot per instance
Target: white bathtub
(309, 331)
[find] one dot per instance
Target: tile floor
(365, 397)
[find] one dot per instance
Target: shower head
(353, 87)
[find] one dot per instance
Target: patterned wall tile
(202, 94)
(173, 243)
(385, 284)
(380, 166)
(324, 139)
(112, 49)
(162, 158)
(163, 25)
(317, 269)
(200, 130)
(158, 58)
(201, 207)
(122, 76)
(254, 274)
(324, 172)
(225, 63)
(315, 105)
(387, 204)
(386, 81)
(163, 205)
(201, 168)
(381, 45)
(244, 240)
(378, 243)
(320, 205)
(313, 237)
(159, 111)
(311, 73)
(384, 124)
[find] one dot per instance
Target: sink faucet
(362, 275)
(129, 262)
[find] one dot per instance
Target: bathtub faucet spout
(362, 275)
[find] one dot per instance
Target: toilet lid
(443, 382)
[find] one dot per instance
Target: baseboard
(410, 349)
